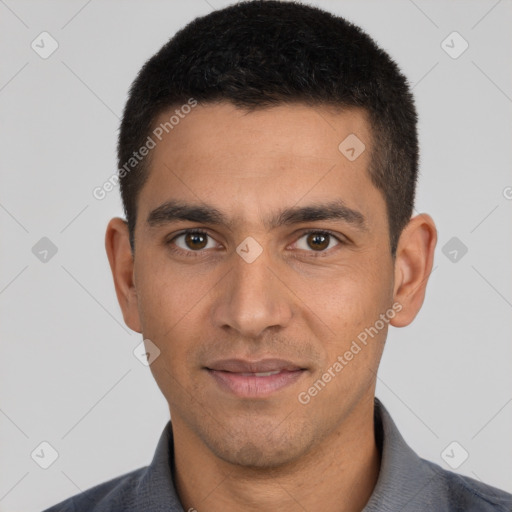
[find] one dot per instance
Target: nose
(251, 298)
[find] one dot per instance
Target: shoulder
(148, 488)
(119, 493)
(462, 493)
(409, 482)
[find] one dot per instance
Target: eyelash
(195, 254)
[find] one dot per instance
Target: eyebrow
(172, 210)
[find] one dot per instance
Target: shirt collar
(402, 475)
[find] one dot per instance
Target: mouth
(254, 379)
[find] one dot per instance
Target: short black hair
(259, 54)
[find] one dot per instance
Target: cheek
(166, 295)
(169, 303)
(350, 303)
(355, 341)
(348, 300)
(172, 306)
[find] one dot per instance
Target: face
(257, 287)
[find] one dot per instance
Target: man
(268, 159)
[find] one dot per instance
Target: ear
(413, 265)
(120, 257)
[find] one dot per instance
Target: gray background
(68, 375)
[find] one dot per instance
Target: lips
(254, 379)
(259, 374)
(253, 367)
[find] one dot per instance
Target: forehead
(247, 163)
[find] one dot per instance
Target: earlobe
(413, 265)
(120, 257)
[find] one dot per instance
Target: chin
(254, 456)
(252, 448)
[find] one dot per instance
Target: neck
(338, 474)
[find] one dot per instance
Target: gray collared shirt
(406, 483)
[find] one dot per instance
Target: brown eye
(193, 241)
(318, 241)
(196, 240)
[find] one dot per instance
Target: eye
(317, 241)
(193, 241)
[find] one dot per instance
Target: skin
(293, 302)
